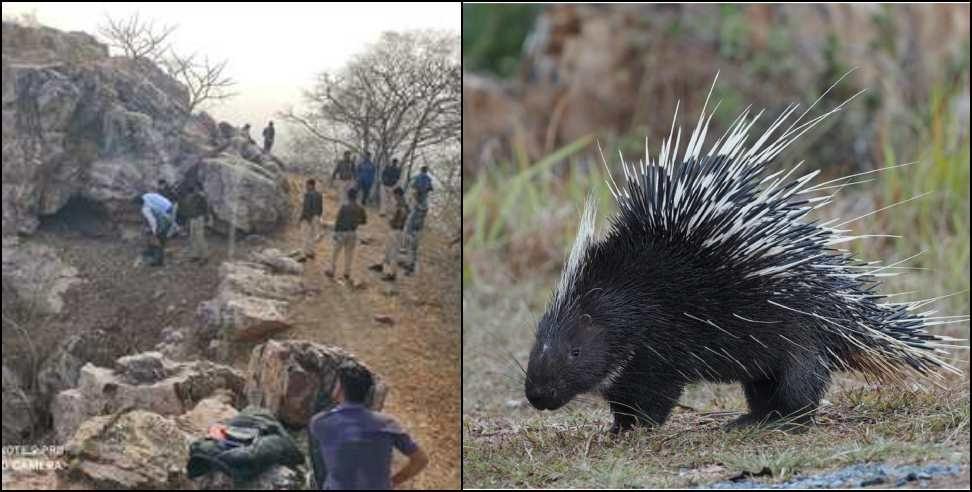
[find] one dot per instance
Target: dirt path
(418, 355)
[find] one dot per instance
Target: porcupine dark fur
(711, 271)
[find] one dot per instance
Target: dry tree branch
(137, 38)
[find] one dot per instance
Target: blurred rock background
(539, 77)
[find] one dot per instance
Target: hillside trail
(418, 355)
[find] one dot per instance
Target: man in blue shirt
(157, 211)
(366, 177)
(351, 446)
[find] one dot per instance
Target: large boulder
(138, 449)
(251, 197)
(36, 276)
(294, 378)
(278, 262)
(78, 123)
(131, 450)
(146, 381)
(61, 370)
(252, 302)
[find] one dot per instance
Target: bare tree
(205, 79)
(401, 95)
(137, 38)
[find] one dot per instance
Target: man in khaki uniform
(395, 238)
(349, 217)
(196, 209)
(311, 213)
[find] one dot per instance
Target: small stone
(514, 403)
(384, 319)
(872, 481)
(141, 368)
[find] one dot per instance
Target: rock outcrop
(131, 427)
(252, 301)
(80, 123)
(61, 370)
(138, 449)
(145, 381)
(294, 378)
(130, 450)
(35, 276)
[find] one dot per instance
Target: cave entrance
(82, 216)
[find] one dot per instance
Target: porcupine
(712, 271)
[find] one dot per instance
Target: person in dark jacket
(311, 213)
(422, 184)
(195, 208)
(414, 226)
(166, 190)
(389, 180)
(268, 135)
(169, 192)
(395, 238)
(351, 446)
(349, 217)
(344, 172)
(366, 177)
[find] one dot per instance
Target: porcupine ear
(585, 327)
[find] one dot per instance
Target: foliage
(493, 36)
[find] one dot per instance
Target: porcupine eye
(575, 352)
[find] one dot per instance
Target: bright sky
(274, 49)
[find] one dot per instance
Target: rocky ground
(407, 333)
(417, 351)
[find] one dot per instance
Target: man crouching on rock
(351, 446)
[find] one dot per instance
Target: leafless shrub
(137, 38)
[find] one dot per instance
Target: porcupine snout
(542, 398)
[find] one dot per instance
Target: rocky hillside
(78, 123)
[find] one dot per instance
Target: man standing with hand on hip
(351, 446)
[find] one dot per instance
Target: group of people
(406, 222)
(269, 133)
(167, 214)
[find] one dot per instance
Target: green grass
(572, 449)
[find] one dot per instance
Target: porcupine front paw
(617, 428)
